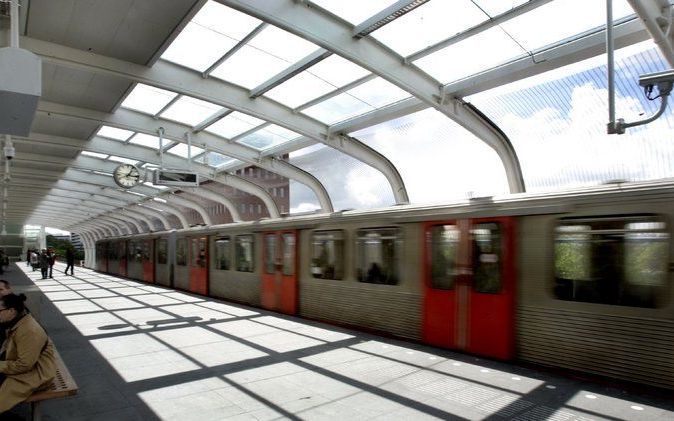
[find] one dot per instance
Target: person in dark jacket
(51, 259)
(43, 260)
(70, 261)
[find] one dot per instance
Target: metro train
(578, 280)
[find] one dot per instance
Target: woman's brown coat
(29, 362)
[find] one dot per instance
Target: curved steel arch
(149, 155)
(336, 35)
(164, 74)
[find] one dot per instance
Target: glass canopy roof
(555, 119)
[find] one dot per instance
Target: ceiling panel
(81, 89)
(131, 30)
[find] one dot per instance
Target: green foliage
(61, 246)
(572, 260)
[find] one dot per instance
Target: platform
(143, 352)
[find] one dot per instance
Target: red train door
(199, 265)
(469, 288)
(279, 277)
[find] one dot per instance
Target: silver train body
(567, 314)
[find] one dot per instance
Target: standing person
(51, 259)
(29, 363)
(44, 263)
(70, 261)
(34, 261)
(28, 257)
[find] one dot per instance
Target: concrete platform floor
(142, 352)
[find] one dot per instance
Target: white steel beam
(139, 122)
(150, 212)
(323, 29)
(657, 17)
(183, 81)
(172, 210)
(142, 153)
(184, 201)
(217, 198)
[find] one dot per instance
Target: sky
(556, 121)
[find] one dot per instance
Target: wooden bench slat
(63, 384)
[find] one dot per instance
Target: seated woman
(26, 356)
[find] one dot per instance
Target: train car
(587, 271)
(102, 256)
(162, 265)
(191, 263)
(117, 258)
(140, 259)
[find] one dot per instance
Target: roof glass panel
(557, 123)
(361, 99)
(114, 133)
(354, 11)
(190, 110)
(475, 54)
(351, 184)
(122, 160)
(210, 34)
(282, 44)
(267, 54)
(427, 146)
(146, 140)
(560, 19)
(95, 154)
(430, 23)
(337, 71)
(198, 47)
(215, 159)
(378, 93)
(497, 7)
(181, 150)
(268, 136)
(148, 99)
(234, 124)
(300, 90)
(338, 108)
(249, 67)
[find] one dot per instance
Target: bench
(63, 385)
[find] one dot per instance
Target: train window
(135, 251)
(198, 252)
(377, 253)
(162, 252)
(223, 253)
(181, 252)
(327, 260)
(444, 252)
(618, 261)
(270, 253)
(243, 253)
(288, 249)
(486, 258)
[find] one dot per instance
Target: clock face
(127, 176)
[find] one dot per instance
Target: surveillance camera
(658, 78)
(10, 152)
